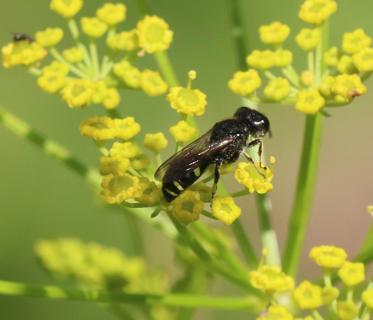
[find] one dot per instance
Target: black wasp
(17, 37)
(222, 144)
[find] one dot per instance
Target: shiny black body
(223, 144)
(22, 37)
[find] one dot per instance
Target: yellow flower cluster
(254, 177)
(155, 141)
(317, 87)
(310, 297)
(94, 265)
(22, 53)
(106, 128)
(183, 132)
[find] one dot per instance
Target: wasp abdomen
(180, 181)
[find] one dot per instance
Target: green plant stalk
(165, 66)
(244, 244)
(74, 29)
(54, 52)
(8, 288)
(307, 174)
(304, 193)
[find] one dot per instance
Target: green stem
(238, 32)
(49, 147)
(94, 58)
(54, 52)
(232, 275)
(16, 289)
(165, 66)
(268, 235)
(244, 244)
(74, 30)
(304, 193)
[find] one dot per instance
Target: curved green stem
(244, 244)
(49, 147)
(8, 288)
(304, 193)
(165, 66)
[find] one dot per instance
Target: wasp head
(257, 123)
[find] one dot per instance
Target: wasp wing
(193, 155)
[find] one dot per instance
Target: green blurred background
(41, 199)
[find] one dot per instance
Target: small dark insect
(22, 37)
(222, 144)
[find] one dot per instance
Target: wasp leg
(260, 150)
(248, 158)
(216, 180)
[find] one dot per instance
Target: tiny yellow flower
(352, 273)
(129, 74)
(77, 93)
(53, 77)
(125, 40)
(149, 193)
(330, 257)
(346, 87)
(187, 206)
(308, 296)
(363, 60)
(308, 39)
(367, 297)
(127, 150)
(329, 294)
(355, 41)
(309, 101)
(347, 310)
(225, 209)
(116, 189)
(73, 55)
(152, 83)
(183, 132)
(112, 13)
(154, 34)
(140, 162)
(111, 99)
(307, 78)
(114, 165)
(155, 141)
(254, 178)
(49, 37)
(244, 83)
(326, 86)
(346, 65)
(271, 280)
(331, 57)
(274, 33)
(126, 128)
(276, 312)
(282, 58)
(66, 8)
(22, 53)
(277, 89)
(93, 27)
(98, 128)
(261, 59)
(317, 11)
(187, 101)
